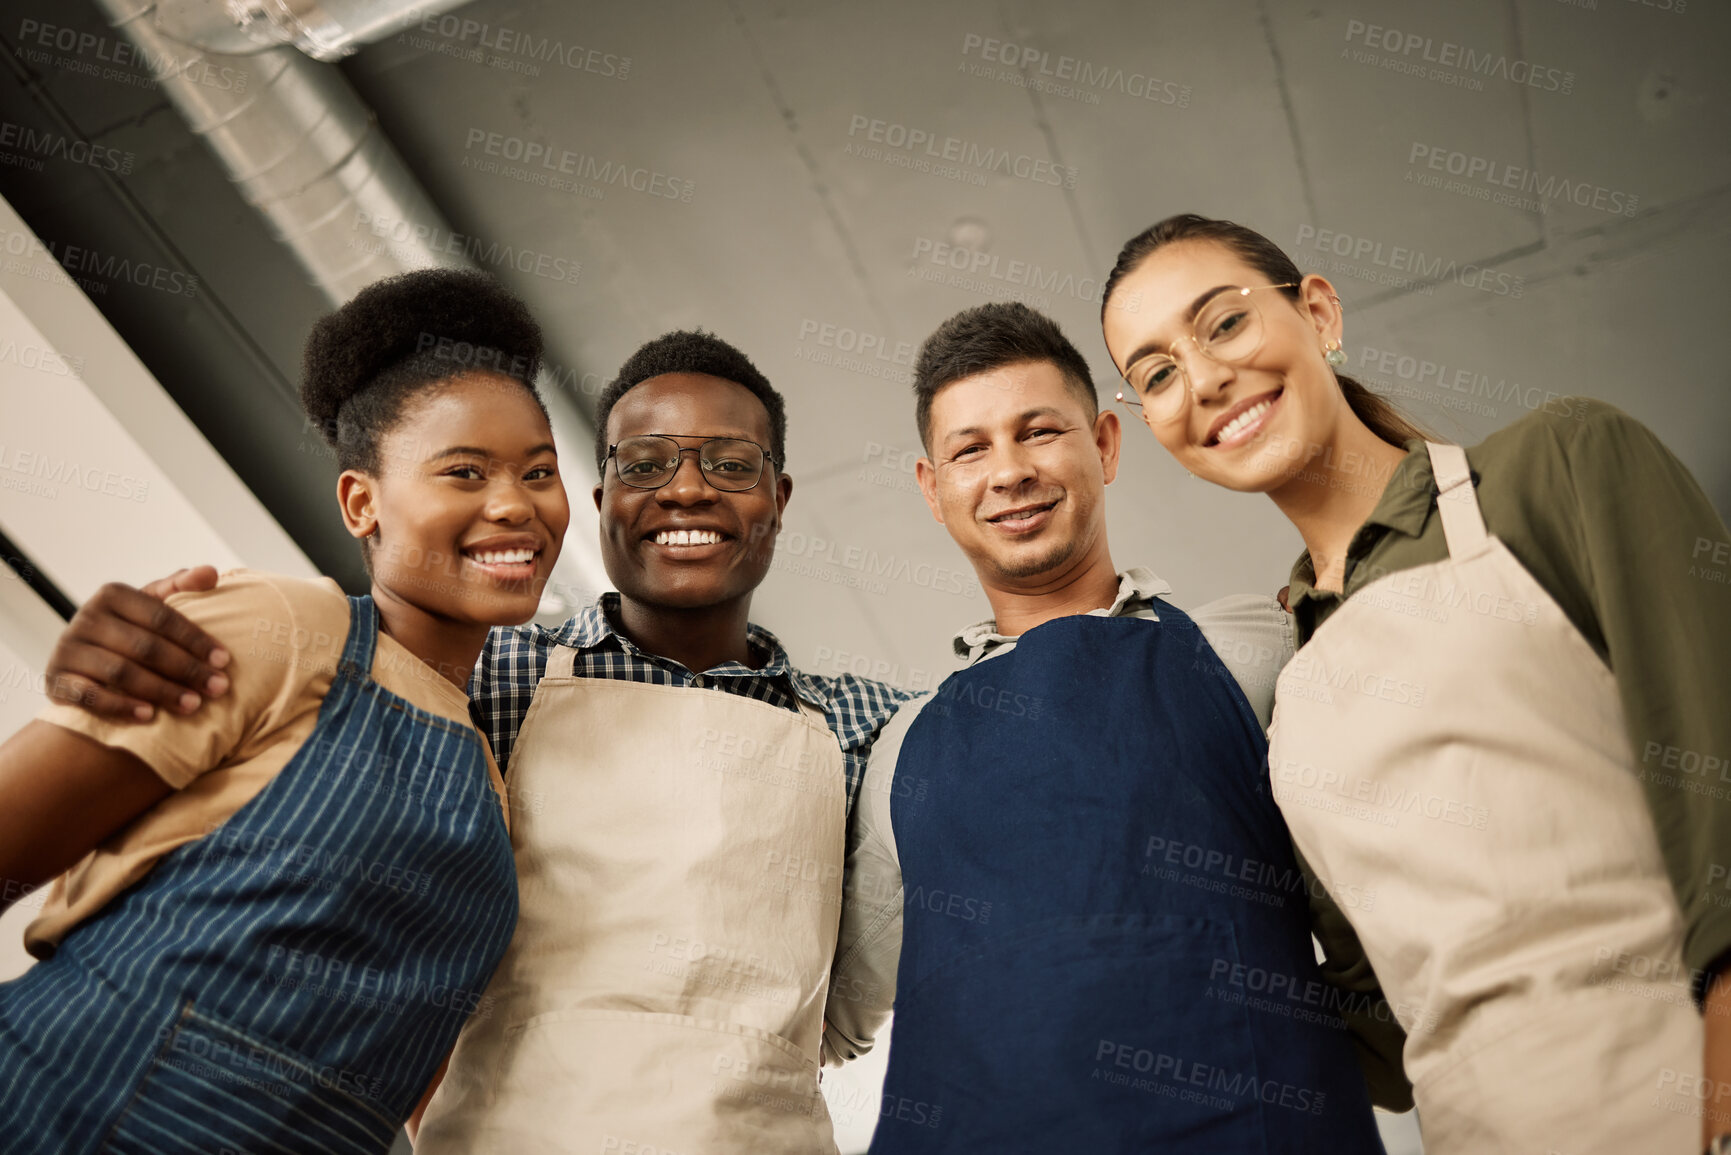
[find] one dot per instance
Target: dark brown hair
(989, 337)
(1379, 415)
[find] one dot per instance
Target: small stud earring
(1334, 354)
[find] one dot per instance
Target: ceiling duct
(303, 149)
(323, 29)
(309, 155)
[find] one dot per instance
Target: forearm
(61, 794)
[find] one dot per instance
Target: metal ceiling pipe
(323, 29)
(304, 151)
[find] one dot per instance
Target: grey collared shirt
(1252, 636)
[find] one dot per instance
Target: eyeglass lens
(1228, 328)
(651, 462)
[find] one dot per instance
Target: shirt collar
(1404, 508)
(596, 626)
(1137, 588)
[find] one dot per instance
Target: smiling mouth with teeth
(504, 556)
(687, 537)
(1019, 514)
(1243, 421)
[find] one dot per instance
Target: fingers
(175, 648)
(197, 579)
(98, 675)
(77, 690)
(126, 653)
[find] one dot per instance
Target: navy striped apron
(1100, 897)
(291, 981)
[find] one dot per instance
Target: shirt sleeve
(286, 636)
(1252, 636)
(1655, 556)
(862, 987)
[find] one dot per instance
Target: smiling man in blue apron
(1066, 861)
(671, 772)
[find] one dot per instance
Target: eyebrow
(1148, 347)
(476, 451)
(1026, 415)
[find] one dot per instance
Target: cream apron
(1450, 745)
(679, 866)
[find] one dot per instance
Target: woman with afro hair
(271, 917)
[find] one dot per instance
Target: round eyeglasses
(1228, 328)
(650, 461)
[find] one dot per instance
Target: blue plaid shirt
(515, 657)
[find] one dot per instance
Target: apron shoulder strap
(561, 662)
(357, 658)
(1463, 524)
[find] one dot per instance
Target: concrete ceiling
(802, 226)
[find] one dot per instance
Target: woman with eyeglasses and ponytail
(271, 917)
(1510, 689)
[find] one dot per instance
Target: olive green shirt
(1615, 529)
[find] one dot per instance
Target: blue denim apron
(1106, 944)
(291, 981)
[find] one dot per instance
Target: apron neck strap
(363, 637)
(562, 661)
(1463, 524)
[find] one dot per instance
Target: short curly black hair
(993, 336)
(691, 351)
(404, 334)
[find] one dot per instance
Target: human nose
(686, 487)
(508, 503)
(1011, 466)
(1204, 374)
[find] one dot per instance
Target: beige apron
(1450, 745)
(679, 856)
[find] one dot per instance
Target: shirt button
(697, 682)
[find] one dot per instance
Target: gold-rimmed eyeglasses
(1228, 328)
